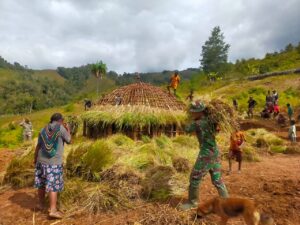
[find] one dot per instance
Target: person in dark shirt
(251, 104)
(235, 104)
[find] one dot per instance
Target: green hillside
(49, 74)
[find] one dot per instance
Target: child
(208, 160)
(281, 120)
(276, 110)
(290, 111)
(236, 141)
(190, 97)
(293, 132)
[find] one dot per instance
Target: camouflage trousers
(203, 166)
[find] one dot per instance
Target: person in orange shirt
(237, 139)
(174, 81)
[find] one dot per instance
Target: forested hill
(23, 90)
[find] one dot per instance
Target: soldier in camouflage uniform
(208, 159)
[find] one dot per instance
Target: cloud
(134, 35)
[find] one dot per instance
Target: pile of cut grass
(262, 139)
(20, 172)
(88, 160)
(163, 214)
(82, 196)
(292, 149)
(156, 185)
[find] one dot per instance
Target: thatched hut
(135, 110)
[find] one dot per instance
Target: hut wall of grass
(133, 121)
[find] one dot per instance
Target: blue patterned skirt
(49, 177)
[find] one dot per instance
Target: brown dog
(227, 208)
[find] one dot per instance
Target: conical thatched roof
(142, 94)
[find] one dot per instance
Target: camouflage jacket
(206, 134)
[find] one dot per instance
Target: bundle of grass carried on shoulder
(223, 115)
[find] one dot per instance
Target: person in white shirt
(293, 132)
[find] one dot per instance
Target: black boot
(193, 199)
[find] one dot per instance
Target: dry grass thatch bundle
(20, 172)
(125, 179)
(222, 114)
(133, 116)
(292, 149)
(156, 185)
(82, 196)
(164, 215)
(182, 165)
(88, 160)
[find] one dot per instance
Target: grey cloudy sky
(140, 35)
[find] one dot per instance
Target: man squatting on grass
(209, 157)
(48, 160)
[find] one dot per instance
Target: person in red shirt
(276, 110)
(237, 139)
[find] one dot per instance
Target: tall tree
(214, 52)
(99, 69)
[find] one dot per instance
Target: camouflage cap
(197, 106)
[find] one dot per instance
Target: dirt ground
(274, 183)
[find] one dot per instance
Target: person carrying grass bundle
(174, 82)
(208, 160)
(48, 160)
